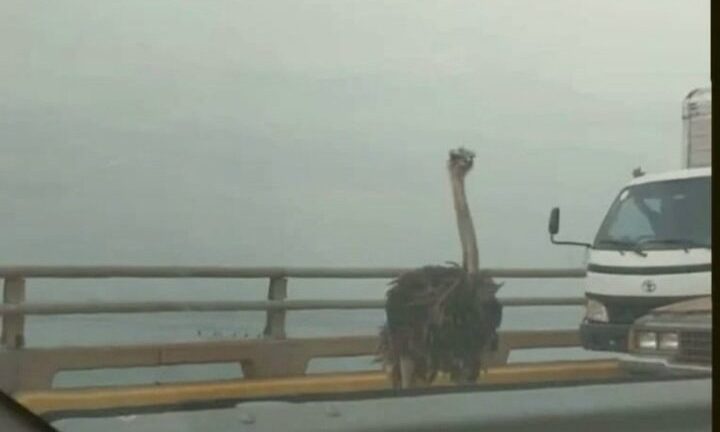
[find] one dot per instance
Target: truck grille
(627, 310)
(695, 347)
(626, 314)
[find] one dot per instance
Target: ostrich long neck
(466, 230)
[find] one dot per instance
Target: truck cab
(653, 247)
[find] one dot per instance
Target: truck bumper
(604, 337)
(661, 366)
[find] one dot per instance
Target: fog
(316, 132)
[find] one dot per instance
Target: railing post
(13, 325)
(275, 319)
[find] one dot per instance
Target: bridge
(275, 366)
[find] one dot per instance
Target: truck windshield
(660, 215)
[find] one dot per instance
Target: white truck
(653, 247)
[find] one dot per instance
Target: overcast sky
(316, 132)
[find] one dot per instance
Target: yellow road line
(139, 396)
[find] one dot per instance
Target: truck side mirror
(554, 227)
(554, 224)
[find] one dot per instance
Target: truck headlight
(646, 340)
(596, 311)
(668, 341)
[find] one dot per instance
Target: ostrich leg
(407, 371)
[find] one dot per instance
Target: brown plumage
(442, 318)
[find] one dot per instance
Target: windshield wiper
(626, 245)
(685, 244)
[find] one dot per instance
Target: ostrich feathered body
(439, 317)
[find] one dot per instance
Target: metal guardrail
(274, 356)
(217, 306)
(14, 308)
(78, 272)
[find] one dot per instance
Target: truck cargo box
(697, 128)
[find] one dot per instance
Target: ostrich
(442, 318)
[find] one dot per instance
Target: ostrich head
(460, 161)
